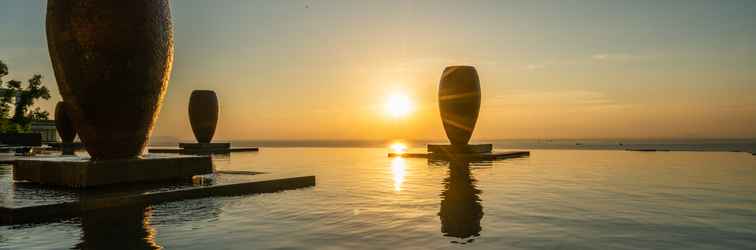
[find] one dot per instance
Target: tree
(6, 97)
(20, 99)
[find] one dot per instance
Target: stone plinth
(67, 148)
(490, 156)
(460, 149)
(80, 172)
(205, 147)
(214, 151)
(468, 152)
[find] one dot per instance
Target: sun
(398, 105)
(398, 148)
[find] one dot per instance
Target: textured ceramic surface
(63, 124)
(112, 61)
(203, 114)
(459, 102)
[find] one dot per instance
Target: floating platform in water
(59, 145)
(647, 150)
(466, 156)
(82, 172)
(202, 150)
(460, 149)
(26, 202)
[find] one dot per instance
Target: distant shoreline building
(47, 130)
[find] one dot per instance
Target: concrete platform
(205, 146)
(25, 202)
(647, 150)
(59, 145)
(467, 157)
(80, 172)
(191, 151)
(456, 149)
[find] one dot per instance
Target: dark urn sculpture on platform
(459, 102)
(459, 97)
(112, 61)
(203, 114)
(65, 128)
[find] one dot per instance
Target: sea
(568, 194)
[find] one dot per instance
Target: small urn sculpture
(112, 61)
(203, 114)
(459, 102)
(65, 128)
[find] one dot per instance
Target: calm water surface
(554, 199)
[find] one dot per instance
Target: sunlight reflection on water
(552, 199)
(398, 170)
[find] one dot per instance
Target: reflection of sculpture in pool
(119, 228)
(461, 210)
(131, 227)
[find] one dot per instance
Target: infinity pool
(554, 199)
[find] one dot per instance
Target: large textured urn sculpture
(112, 60)
(203, 114)
(459, 102)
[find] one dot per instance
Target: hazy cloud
(573, 98)
(617, 57)
(535, 66)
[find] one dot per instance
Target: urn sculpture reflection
(461, 208)
(459, 102)
(112, 61)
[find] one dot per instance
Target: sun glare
(398, 105)
(398, 148)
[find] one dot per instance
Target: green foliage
(3, 71)
(19, 99)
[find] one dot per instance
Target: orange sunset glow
(383, 124)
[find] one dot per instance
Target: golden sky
(548, 69)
